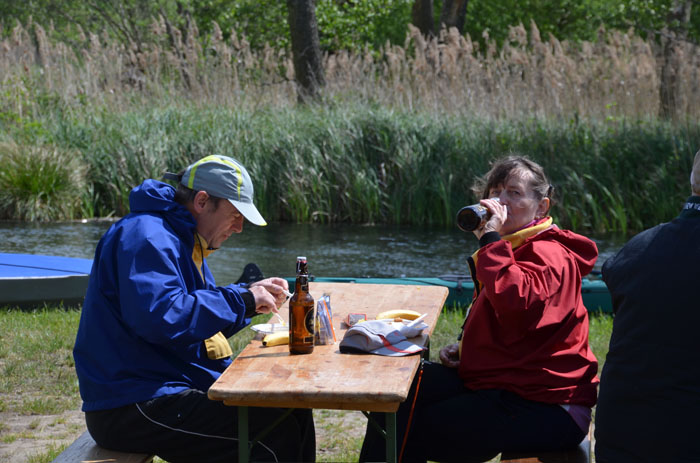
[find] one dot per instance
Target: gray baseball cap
(223, 177)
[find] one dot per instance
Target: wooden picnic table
(326, 379)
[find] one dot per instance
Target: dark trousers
(453, 423)
(189, 427)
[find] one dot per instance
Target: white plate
(404, 321)
(395, 325)
(268, 328)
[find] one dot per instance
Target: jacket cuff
(249, 301)
(488, 238)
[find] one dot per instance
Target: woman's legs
(452, 423)
(434, 383)
(477, 425)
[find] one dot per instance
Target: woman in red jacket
(522, 376)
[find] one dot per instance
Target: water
(332, 250)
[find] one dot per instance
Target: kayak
(595, 293)
(28, 280)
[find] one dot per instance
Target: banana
(398, 313)
(276, 339)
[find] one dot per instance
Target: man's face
(216, 224)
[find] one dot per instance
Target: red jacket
(527, 330)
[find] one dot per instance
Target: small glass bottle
(301, 312)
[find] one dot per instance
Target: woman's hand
(499, 214)
(449, 356)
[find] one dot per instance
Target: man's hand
(449, 356)
(269, 294)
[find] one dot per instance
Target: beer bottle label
(309, 323)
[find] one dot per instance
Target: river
(332, 250)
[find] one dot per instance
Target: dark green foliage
(573, 20)
(126, 20)
(41, 183)
(343, 24)
(260, 22)
(565, 19)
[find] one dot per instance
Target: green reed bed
(37, 373)
(42, 183)
(355, 163)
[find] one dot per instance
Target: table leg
(243, 453)
(391, 456)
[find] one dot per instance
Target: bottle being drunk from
(469, 218)
(301, 312)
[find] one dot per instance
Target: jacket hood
(157, 197)
(583, 250)
(152, 196)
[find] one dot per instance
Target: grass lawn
(37, 380)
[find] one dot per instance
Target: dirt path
(22, 436)
(34, 435)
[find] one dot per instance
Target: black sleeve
(488, 238)
(249, 301)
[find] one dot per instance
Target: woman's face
(520, 200)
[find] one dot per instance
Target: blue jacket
(147, 310)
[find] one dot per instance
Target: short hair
(504, 168)
(185, 196)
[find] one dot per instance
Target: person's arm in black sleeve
(488, 238)
(249, 301)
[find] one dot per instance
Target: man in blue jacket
(154, 326)
(649, 397)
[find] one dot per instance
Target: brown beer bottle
(301, 313)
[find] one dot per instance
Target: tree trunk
(422, 17)
(673, 35)
(453, 14)
(306, 49)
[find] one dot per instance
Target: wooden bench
(85, 450)
(580, 454)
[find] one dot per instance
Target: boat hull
(28, 280)
(595, 293)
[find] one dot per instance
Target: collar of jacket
(691, 209)
(516, 239)
(200, 251)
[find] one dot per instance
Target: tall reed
(614, 76)
(397, 138)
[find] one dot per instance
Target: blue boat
(28, 280)
(595, 293)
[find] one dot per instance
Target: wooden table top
(271, 377)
